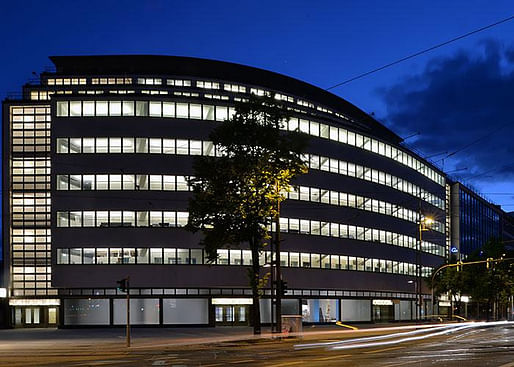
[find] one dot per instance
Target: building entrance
(35, 316)
(232, 315)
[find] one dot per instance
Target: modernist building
(475, 220)
(96, 160)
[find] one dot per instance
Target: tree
(236, 196)
(485, 284)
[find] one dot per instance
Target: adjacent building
(96, 159)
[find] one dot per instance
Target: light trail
(429, 331)
(458, 327)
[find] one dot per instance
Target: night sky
(452, 96)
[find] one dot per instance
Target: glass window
(141, 145)
(63, 256)
(195, 111)
(89, 218)
(182, 110)
(75, 219)
(155, 145)
(169, 219)
(141, 182)
(156, 182)
(114, 108)
(142, 219)
(128, 145)
(156, 255)
(222, 257)
(129, 182)
(168, 146)
(128, 108)
(141, 108)
(102, 108)
(75, 256)
(115, 218)
(102, 182)
(89, 256)
(129, 256)
(155, 109)
(305, 260)
(62, 108)
(143, 256)
(102, 145)
(170, 256)
(102, 219)
(168, 109)
(115, 256)
(75, 145)
(129, 218)
(115, 145)
(102, 256)
(168, 182)
(208, 112)
(235, 257)
(182, 218)
(196, 256)
(62, 145)
(182, 146)
(75, 108)
(88, 108)
(155, 219)
(88, 145)
(62, 182)
(182, 256)
(114, 182)
(182, 183)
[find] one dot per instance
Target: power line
(422, 52)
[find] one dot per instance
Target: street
(475, 345)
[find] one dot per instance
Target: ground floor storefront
(202, 311)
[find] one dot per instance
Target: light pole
(424, 223)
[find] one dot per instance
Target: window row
(167, 109)
(129, 218)
(123, 182)
(144, 108)
(145, 255)
(135, 145)
(198, 147)
(180, 183)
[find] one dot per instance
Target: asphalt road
(465, 347)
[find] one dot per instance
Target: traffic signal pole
(278, 277)
(128, 311)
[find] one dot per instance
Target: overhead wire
(481, 29)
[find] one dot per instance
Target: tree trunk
(254, 282)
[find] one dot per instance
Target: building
(475, 220)
(96, 156)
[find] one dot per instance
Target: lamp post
(424, 223)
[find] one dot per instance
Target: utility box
(292, 323)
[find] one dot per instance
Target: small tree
(235, 196)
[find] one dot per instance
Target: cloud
(457, 100)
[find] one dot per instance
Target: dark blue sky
(452, 96)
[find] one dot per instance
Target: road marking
(402, 364)
(284, 364)
(383, 350)
(243, 361)
(333, 357)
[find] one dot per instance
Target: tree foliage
(493, 284)
(235, 195)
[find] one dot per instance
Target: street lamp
(424, 225)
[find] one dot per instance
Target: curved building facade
(99, 152)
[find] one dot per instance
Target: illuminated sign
(454, 250)
(232, 301)
(34, 302)
(382, 302)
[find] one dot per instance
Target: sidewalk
(162, 337)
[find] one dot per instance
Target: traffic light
(123, 284)
(283, 287)
(489, 262)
